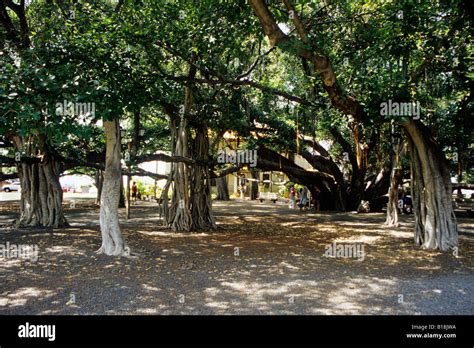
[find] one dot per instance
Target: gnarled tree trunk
(392, 205)
(396, 180)
(378, 186)
(112, 241)
(178, 216)
(191, 205)
(435, 222)
(41, 192)
(201, 200)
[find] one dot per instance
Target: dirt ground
(264, 258)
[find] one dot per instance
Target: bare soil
(264, 258)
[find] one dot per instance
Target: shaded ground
(278, 268)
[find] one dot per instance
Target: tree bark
(112, 241)
(222, 189)
(435, 222)
(41, 192)
(191, 201)
(179, 216)
(329, 195)
(377, 186)
(200, 195)
(392, 206)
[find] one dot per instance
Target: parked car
(13, 186)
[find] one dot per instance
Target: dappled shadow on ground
(262, 259)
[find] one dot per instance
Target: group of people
(301, 198)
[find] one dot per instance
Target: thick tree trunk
(377, 187)
(222, 189)
(324, 163)
(435, 222)
(330, 196)
(392, 205)
(356, 190)
(178, 217)
(112, 241)
(41, 196)
(338, 199)
(201, 200)
(353, 193)
(41, 192)
(254, 185)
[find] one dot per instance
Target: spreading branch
(342, 101)
(220, 79)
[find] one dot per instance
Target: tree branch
(346, 103)
(221, 79)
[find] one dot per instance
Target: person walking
(292, 197)
(303, 198)
(134, 192)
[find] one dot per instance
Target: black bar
(224, 330)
